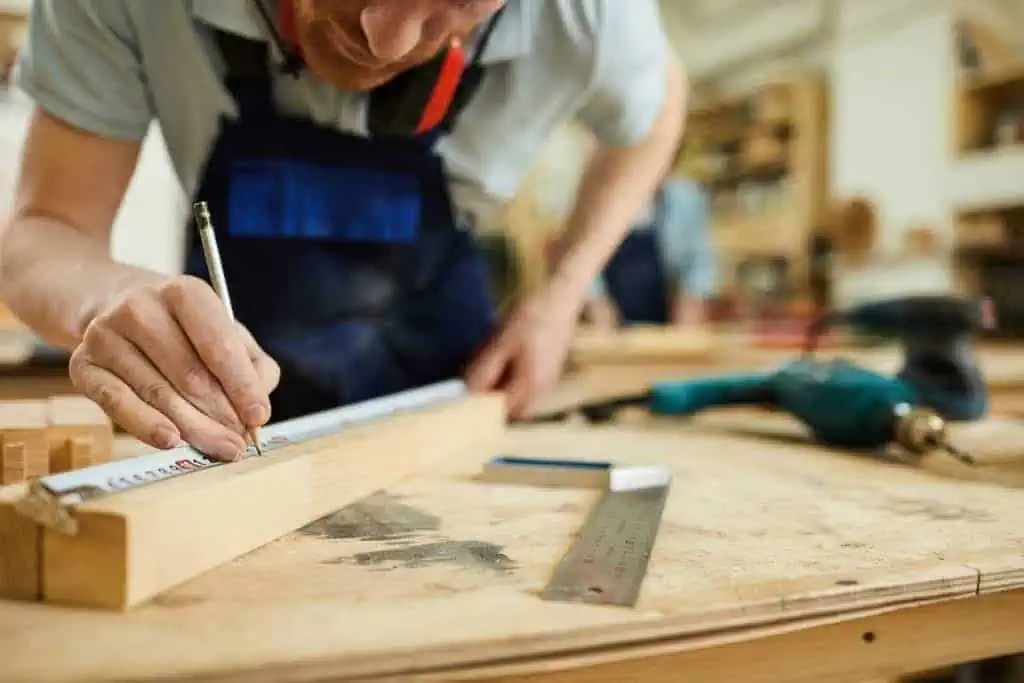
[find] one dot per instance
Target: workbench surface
(439, 575)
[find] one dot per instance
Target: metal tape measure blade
(52, 497)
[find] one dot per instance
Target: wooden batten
(641, 344)
(135, 545)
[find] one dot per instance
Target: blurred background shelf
(986, 180)
(762, 159)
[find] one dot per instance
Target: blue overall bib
(341, 251)
(634, 277)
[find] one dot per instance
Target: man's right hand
(160, 355)
(168, 364)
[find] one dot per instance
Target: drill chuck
(921, 430)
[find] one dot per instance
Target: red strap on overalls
(444, 89)
(286, 17)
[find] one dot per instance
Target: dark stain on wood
(377, 518)
(468, 554)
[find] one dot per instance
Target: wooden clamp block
(79, 433)
(20, 549)
(24, 449)
(134, 545)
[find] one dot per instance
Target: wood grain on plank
(442, 572)
(133, 546)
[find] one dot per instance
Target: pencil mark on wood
(172, 600)
(377, 518)
(469, 554)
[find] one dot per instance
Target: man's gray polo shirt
(112, 67)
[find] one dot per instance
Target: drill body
(840, 403)
(845, 405)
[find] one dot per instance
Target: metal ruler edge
(606, 563)
(50, 498)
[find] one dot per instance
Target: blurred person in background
(345, 149)
(665, 270)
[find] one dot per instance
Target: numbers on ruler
(148, 476)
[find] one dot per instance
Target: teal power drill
(848, 406)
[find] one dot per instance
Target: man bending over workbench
(345, 149)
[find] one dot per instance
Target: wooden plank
(19, 550)
(441, 573)
(643, 344)
(676, 350)
(135, 545)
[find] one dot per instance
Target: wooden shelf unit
(986, 183)
(762, 158)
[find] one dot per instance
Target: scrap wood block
(24, 450)
(80, 434)
(137, 544)
(20, 549)
(48, 436)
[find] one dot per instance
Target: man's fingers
(486, 371)
(131, 413)
(149, 326)
(520, 387)
(216, 339)
(266, 367)
(120, 359)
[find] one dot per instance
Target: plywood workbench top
(440, 574)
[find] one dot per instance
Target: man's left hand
(526, 357)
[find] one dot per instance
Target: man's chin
(355, 82)
(349, 77)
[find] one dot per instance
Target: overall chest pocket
(303, 200)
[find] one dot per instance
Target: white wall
(149, 229)
(892, 126)
(892, 80)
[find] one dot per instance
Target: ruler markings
(608, 561)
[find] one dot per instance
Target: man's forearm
(56, 279)
(615, 187)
